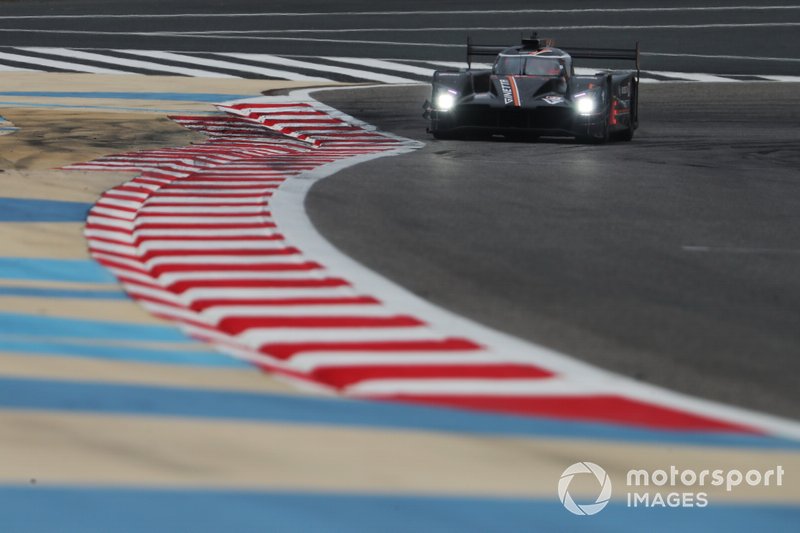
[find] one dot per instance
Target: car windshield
(508, 65)
(527, 65)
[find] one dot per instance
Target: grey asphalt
(314, 28)
(674, 259)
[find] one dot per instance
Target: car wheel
(599, 136)
(626, 134)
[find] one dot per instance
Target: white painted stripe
(791, 79)
(257, 294)
(360, 74)
(134, 265)
(419, 29)
(300, 120)
(224, 260)
(155, 200)
(458, 64)
(106, 201)
(114, 168)
(212, 232)
(166, 159)
(152, 245)
(260, 336)
(124, 224)
(149, 178)
(167, 296)
(118, 192)
(148, 65)
(116, 248)
(346, 14)
(481, 387)
(63, 65)
(265, 182)
(200, 221)
(209, 191)
(382, 64)
(302, 126)
(308, 361)
(305, 39)
(290, 116)
(247, 165)
(131, 276)
(247, 109)
(257, 170)
(228, 65)
(234, 211)
(693, 76)
(148, 188)
(215, 314)
(724, 56)
(175, 277)
(133, 162)
(97, 210)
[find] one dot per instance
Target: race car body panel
(532, 89)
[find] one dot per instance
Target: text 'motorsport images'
(399, 266)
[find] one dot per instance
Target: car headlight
(445, 101)
(585, 105)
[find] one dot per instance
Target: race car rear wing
(627, 54)
(474, 50)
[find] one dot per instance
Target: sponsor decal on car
(508, 86)
(508, 94)
(552, 99)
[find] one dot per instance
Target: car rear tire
(626, 135)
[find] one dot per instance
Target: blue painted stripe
(36, 325)
(177, 97)
(134, 510)
(68, 270)
(49, 292)
(115, 108)
(30, 210)
(141, 354)
(23, 393)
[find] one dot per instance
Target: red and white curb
(214, 236)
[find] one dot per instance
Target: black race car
(532, 90)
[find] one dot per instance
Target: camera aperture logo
(664, 487)
(588, 508)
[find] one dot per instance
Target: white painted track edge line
(288, 211)
(411, 12)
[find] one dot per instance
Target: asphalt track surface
(672, 259)
(669, 258)
(709, 37)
